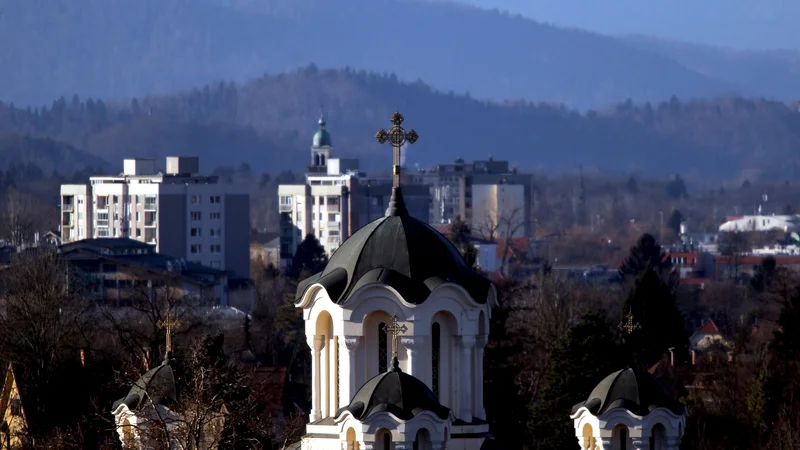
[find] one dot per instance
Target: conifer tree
(647, 251)
(651, 322)
(586, 354)
(309, 258)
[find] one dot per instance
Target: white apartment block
(184, 214)
(499, 210)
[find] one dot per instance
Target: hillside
(740, 24)
(117, 49)
(269, 123)
(47, 154)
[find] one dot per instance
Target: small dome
(322, 138)
(158, 384)
(632, 389)
(396, 392)
(402, 252)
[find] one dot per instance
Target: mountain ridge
(115, 49)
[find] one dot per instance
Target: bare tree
(45, 322)
(17, 220)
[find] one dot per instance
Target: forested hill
(269, 123)
(122, 48)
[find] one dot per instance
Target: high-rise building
(489, 196)
(336, 200)
(185, 214)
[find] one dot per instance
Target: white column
(605, 442)
(317, 344)
(480, 344)
(416, 363)
(465, 363)
(332, 396)
(347, 369)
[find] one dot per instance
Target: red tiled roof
(444, 229)
(708, 327)
(517, 248)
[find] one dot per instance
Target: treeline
(269, 123)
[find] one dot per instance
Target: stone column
(333, 399)
(413, 345)
(672, 443)
(316, 344)
(478, 410)
(347, 369)
(465, 363)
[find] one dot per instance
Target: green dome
(322, 138)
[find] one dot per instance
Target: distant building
(113, 270)
(482, 193)
(761, 223)
(182, 213)
(335, 200)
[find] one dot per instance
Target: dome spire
(397, 137)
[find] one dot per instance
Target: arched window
(387, 441)
(658, 437)
(383, 352)
(316, 159)
(423, 440)
(620, 438)
(587, 438)
(436, 344)
(322, 160)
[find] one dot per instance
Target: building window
(436, 344)
(80, 232)
(195, 232)
(215, 248)
(138, 232)
(333, 200)
(195, 199)
(215, 199)
(286, 200)
(195, 248)
(331, 217)
(195, 215)
(383, 353)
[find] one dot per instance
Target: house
(266, 247)
(14, 427)
(113, 270)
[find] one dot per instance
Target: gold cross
(629, 326)
(169, 323)
(395, 329)
(396, 136)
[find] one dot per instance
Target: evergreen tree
(783, 382)
(677, 188)
(647, 251)
(310, 257)
(459, 234)
(586, 354)
(656, 323)
(674, 222)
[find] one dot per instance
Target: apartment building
(336, 200)
(184, 214)
(482, 193)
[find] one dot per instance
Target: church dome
(157, 384)
(632, 389)
(322, 138)
(396, 392)
(402, 252)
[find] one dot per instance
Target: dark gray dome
(632, 389)
(402, 252)
(157, 384)
(396, 392)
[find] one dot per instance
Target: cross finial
(397, 137)
(170, 323)
(628, 325)
(395, 329)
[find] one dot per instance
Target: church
(397, 324)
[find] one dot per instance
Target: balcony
(333, 225)
(149, 219)
(284, 207)
(66, 220)
(67, 207)
(334, 239)
(332, 208)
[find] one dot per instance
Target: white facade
(619, 428)
(761, 223)
(499, 210)
(185, 216)
(443, 347)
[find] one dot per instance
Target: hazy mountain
(269, 123)
(47, 154)
(119, 48)
(740, 24)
